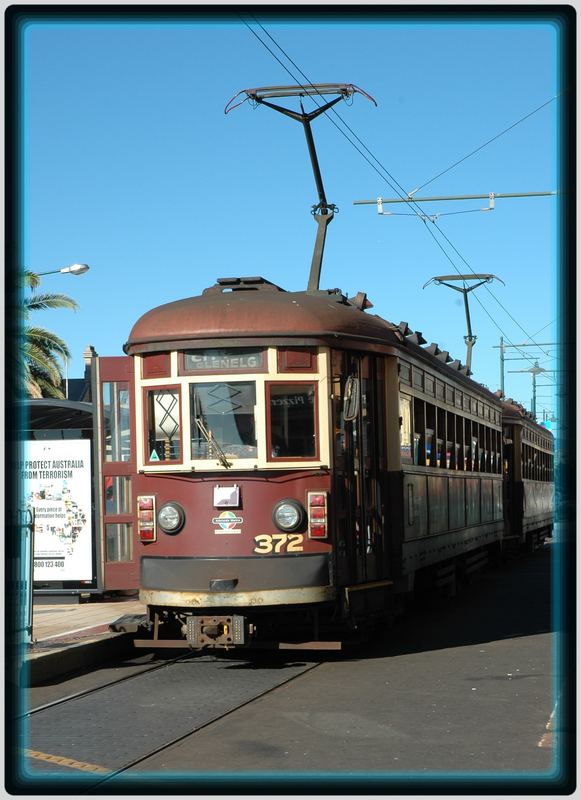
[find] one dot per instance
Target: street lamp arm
(74, 269)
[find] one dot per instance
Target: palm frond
(42, 302)
(47, 340)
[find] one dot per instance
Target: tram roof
(255, 309)
(250, 311)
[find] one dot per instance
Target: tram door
(115, 420)
(360, 461)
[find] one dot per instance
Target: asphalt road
(465, 686)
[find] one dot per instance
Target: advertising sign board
(57, 480)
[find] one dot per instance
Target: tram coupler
(222, 631)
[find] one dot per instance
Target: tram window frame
(481, 458)
(269, 386)
(474, 446)
(485, 459)
(430, 438)
(418, 378)
(148, 461)
(459, 443)
(215, 420)
(419, 429)
(440, 437)
(467, 444)
(116, 423)
(117, 495)
(118, 542)
(405, 373)
(406, 426)
(450, 450)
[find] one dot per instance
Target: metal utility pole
(534, 370)
(323, 212)
(470, 339)
(502, 347)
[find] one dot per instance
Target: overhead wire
(482, 146)
(390, 180)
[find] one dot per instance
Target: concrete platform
(75, 636)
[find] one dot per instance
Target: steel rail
(94, 690)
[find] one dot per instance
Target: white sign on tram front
(57, 479)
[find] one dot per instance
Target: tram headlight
(288, 515)
(171, 518)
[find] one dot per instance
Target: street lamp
(74, 269)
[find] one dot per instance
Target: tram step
(128, 623)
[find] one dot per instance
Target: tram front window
(292, 420)
(223, 419)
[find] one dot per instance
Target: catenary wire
(420, 214)
(482, 146)
(400, 191)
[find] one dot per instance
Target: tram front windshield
(223, 414)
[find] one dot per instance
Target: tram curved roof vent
(242, 285)
(415, 337)
(433, 349)
(441, 355)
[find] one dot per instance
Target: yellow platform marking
(547, 739)
(65, 762)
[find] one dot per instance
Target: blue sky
(130, 165)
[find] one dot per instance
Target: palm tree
(42, 351)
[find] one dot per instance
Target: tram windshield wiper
(213, 443)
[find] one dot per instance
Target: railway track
(103, 732)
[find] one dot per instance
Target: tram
(301, 463)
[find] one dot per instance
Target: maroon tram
(300, 462)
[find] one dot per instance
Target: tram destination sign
(224, 360)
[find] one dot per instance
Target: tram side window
(163, 425)
(441, 435)
(223, 419)
(430, 435)
(117, 434)
(118, 541)
(117, 494)
(459, 443)
(474, 451)
(451, 457)
(419, 432)
(405, 412)
(292, 429)
(468, 444)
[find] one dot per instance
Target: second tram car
(300, 462)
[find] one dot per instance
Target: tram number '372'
(278, 543)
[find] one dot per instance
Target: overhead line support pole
(411, 199)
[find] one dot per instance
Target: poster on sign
(57, 482)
